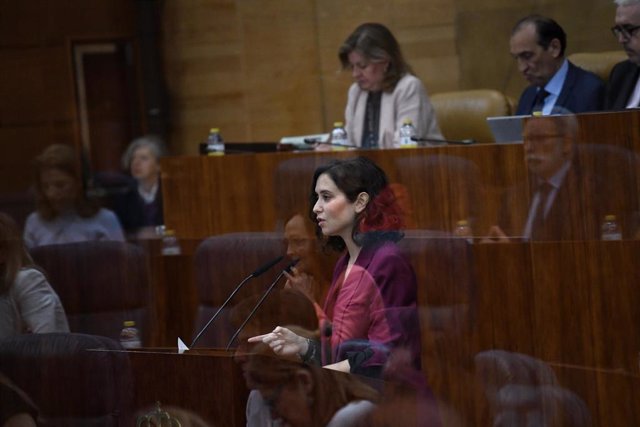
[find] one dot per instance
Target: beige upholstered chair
(463, 114)
(599, 63)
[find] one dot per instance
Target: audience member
(304, 395)
(371, 306)
(140, 207)
(310, 275)
(569, 196)
(538, 44)
(63, 213)
(28, 304)
(385, 91)
(283, 307)
(623, 87)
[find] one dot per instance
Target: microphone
(256, 273)
(287, 269)
(444, 141)
(312, 141)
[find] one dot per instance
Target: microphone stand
(443, 141)
(264, 296)
(256, 273)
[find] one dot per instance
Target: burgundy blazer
(374, 308)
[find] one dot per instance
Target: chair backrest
(70, 385)
(463, 114)
(221, 263)
(599, 63)
(101, 285)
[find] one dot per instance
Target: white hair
(626, 2)
(154, 142)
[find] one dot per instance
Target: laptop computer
(506, 129)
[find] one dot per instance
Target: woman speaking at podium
(371, 306)
(385, 92)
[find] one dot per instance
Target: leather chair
(101, 285)
(221, 263)
(599, 63)
(70, 385)
(463, 114)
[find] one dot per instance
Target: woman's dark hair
(13, 254)
(381, 220)
(63, 158)
(375, 42)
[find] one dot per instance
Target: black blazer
(582, 92)
(622, 81)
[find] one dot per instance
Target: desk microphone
(287, 269)
(256, 273)
(444, 141)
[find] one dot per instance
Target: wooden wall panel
(282, 85)
(37, 101)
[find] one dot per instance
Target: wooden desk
(208, 383)
(205, 196)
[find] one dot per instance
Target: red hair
(383, 213)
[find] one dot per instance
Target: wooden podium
(206, 382)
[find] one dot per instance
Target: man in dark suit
(538, 45)
(623, 89)
(570, 187)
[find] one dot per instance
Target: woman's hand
(283, 342)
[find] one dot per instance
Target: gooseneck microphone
(287, 269)
(443, 141)
(312, 141)
(256, 273)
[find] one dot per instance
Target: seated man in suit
(564, 198)
(538, 44)
(623, 87)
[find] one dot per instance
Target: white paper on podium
(182, 347)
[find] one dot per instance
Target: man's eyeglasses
(626, 31)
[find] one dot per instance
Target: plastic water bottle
(610, 228)
(463, 230)
(215, 143)
(339, 136)
(407, 131)
(170, 244)
(130, 336)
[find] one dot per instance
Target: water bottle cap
(610, 217)
(129, 323)
(338, 124)
(407, 122)
(463, 222)
(169, 232)
(214, 130)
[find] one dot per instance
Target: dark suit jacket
(582, 91)
(622, 81)
(134, 213)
